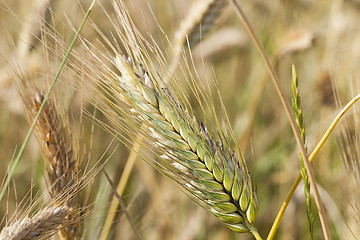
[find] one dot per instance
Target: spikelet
(296, 103)
(43, 224)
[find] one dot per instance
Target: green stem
(294, 128)
(255, 233)
(311, 158)
(28, 135)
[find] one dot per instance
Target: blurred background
(321, 38)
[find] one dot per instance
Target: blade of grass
(28, 135)
(294, 128)
(311, 158)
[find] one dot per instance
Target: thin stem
(123, 206)
(120, 189)
(311, 158)
(300, 143)
(28, 135)
(255, 233)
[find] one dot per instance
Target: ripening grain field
(168, 120)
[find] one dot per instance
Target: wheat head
(187, 150)
(43, 224)
(58, 152)
(207, 168)
(54, 140)
(199, 21)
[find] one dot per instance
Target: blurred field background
(322, 40)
